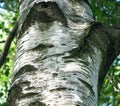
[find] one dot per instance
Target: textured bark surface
(61, 56)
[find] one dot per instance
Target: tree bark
(62, 54)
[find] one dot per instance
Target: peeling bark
(62, 58)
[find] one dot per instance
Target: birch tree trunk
(62, 54)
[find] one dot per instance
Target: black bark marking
(87, 86)
(44, 13)
(42, 47)
(23, 70)
(37, 103)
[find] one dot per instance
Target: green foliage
(110, 93)
(106, 11)
(10, 5)
(7, 20)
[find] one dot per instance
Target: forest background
(105, 11)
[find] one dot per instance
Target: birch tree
(62, 54)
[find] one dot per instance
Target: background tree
(106, 12)
(8, 16)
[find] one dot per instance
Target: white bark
(52, 72)
(58, 59)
